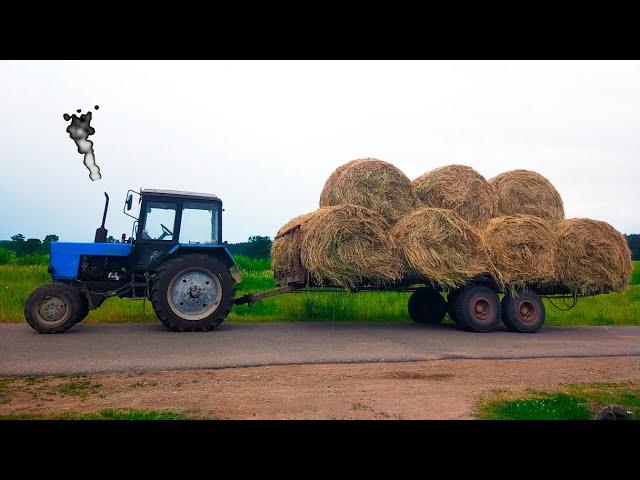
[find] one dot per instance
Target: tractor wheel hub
(194, 293)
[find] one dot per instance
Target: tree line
(256, 246)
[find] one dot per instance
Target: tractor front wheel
(193, 293)
(53, 308)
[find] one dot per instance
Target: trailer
(475, 307)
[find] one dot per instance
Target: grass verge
(576, 402)
(105, 414)
(17, 282)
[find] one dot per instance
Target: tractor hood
(65, 256)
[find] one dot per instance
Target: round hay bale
(458, 188)
(373, 184)
(349, 245)
(285, 249)
(437, 245)
(593, 257)
(522, 192)
(521, 249)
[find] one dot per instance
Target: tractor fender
(219, 251)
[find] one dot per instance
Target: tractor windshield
(200, 222)
(159, 221)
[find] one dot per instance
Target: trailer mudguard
(65, 256)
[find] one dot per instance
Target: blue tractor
(175, 258)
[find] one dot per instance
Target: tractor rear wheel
(523, 312)
(53, 308)
(477, 308)
(426, 306)
(193, 293)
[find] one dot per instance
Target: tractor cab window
(159, 221)
(199, 222)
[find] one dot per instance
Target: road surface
(89, 348)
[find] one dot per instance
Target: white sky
(264, 135)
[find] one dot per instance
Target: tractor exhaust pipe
(101, 232)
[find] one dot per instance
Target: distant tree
(110, 239)
(32, 245)
(18, 238)
(256, 247)
(633, 240)
(50, 238)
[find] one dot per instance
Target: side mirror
(129, 202)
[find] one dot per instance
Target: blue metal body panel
(65, 256)
(198, 246)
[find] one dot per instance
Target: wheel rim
(482, 310)
(194, 294)
(52, 310)
(527, 311)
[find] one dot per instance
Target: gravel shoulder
(434, 389)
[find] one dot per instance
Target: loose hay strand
(523, 192)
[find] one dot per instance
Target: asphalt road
(88, 348)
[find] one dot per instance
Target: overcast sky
(265, 135)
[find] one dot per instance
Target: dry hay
(349, 245)
(373, 184)
(458, 188)
(522, 250)
(437, 245)
(522, 192)
(284, 250)
(593, 257)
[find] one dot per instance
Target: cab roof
(178, 193)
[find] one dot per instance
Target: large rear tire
(53, 308)
(193, 293)
(426, 306)
(524, 312)
(477, 308)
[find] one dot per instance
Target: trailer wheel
(193, 293)
(524, 312)
(53, 308)
(451, 300)
(426, 306)
(477, 308)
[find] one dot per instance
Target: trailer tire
(192, 293)
(477, 308)
(426, 306)
(53, 308)
(451, 300)
(524, 312)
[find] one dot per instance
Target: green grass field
(17, 282)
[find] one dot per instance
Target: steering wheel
(165, 232)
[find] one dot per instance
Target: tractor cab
(169, 221)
